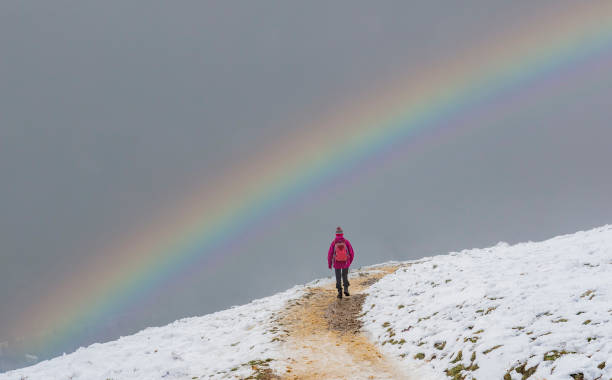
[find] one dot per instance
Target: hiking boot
(346, 293)
(339, 294)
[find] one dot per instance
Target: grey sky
(109, 110)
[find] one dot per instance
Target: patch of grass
(259, 362)
(554, 354)
(491, 349)
(400, 306)
(458, 357)
(536, 337)
(490, 309)
(577, 376)
(589, 339)
(479, 331)
(261, 370)
(560, 320)
(601, 365)
(589, 293)
(526, 372)
(393, 341)
(472, 339)
(586, 322)
(519, 328)
(419, 356)
(440, 345)
(455, 372)
(386, 324)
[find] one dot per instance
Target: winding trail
(323, 338)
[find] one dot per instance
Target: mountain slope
(218, 345)
(540, 309)
(533, 310)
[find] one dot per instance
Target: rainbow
(192, 233)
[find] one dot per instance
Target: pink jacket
(330, 254)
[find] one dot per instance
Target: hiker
(342, 254)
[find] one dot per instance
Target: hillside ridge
(534, 310)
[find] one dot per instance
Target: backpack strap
(334, 253)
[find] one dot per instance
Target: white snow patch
(215, 346)
(507, 305)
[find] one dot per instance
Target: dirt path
(323, 336)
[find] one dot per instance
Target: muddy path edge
(322, 336)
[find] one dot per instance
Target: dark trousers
(344, 274)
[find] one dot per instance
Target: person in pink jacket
(341, 255)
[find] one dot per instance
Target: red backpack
(340, 251)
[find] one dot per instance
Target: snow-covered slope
(219, 345)
(504, 312)
(533, 310)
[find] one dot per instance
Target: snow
(541, 308)
(217, 345)
(546, 304)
